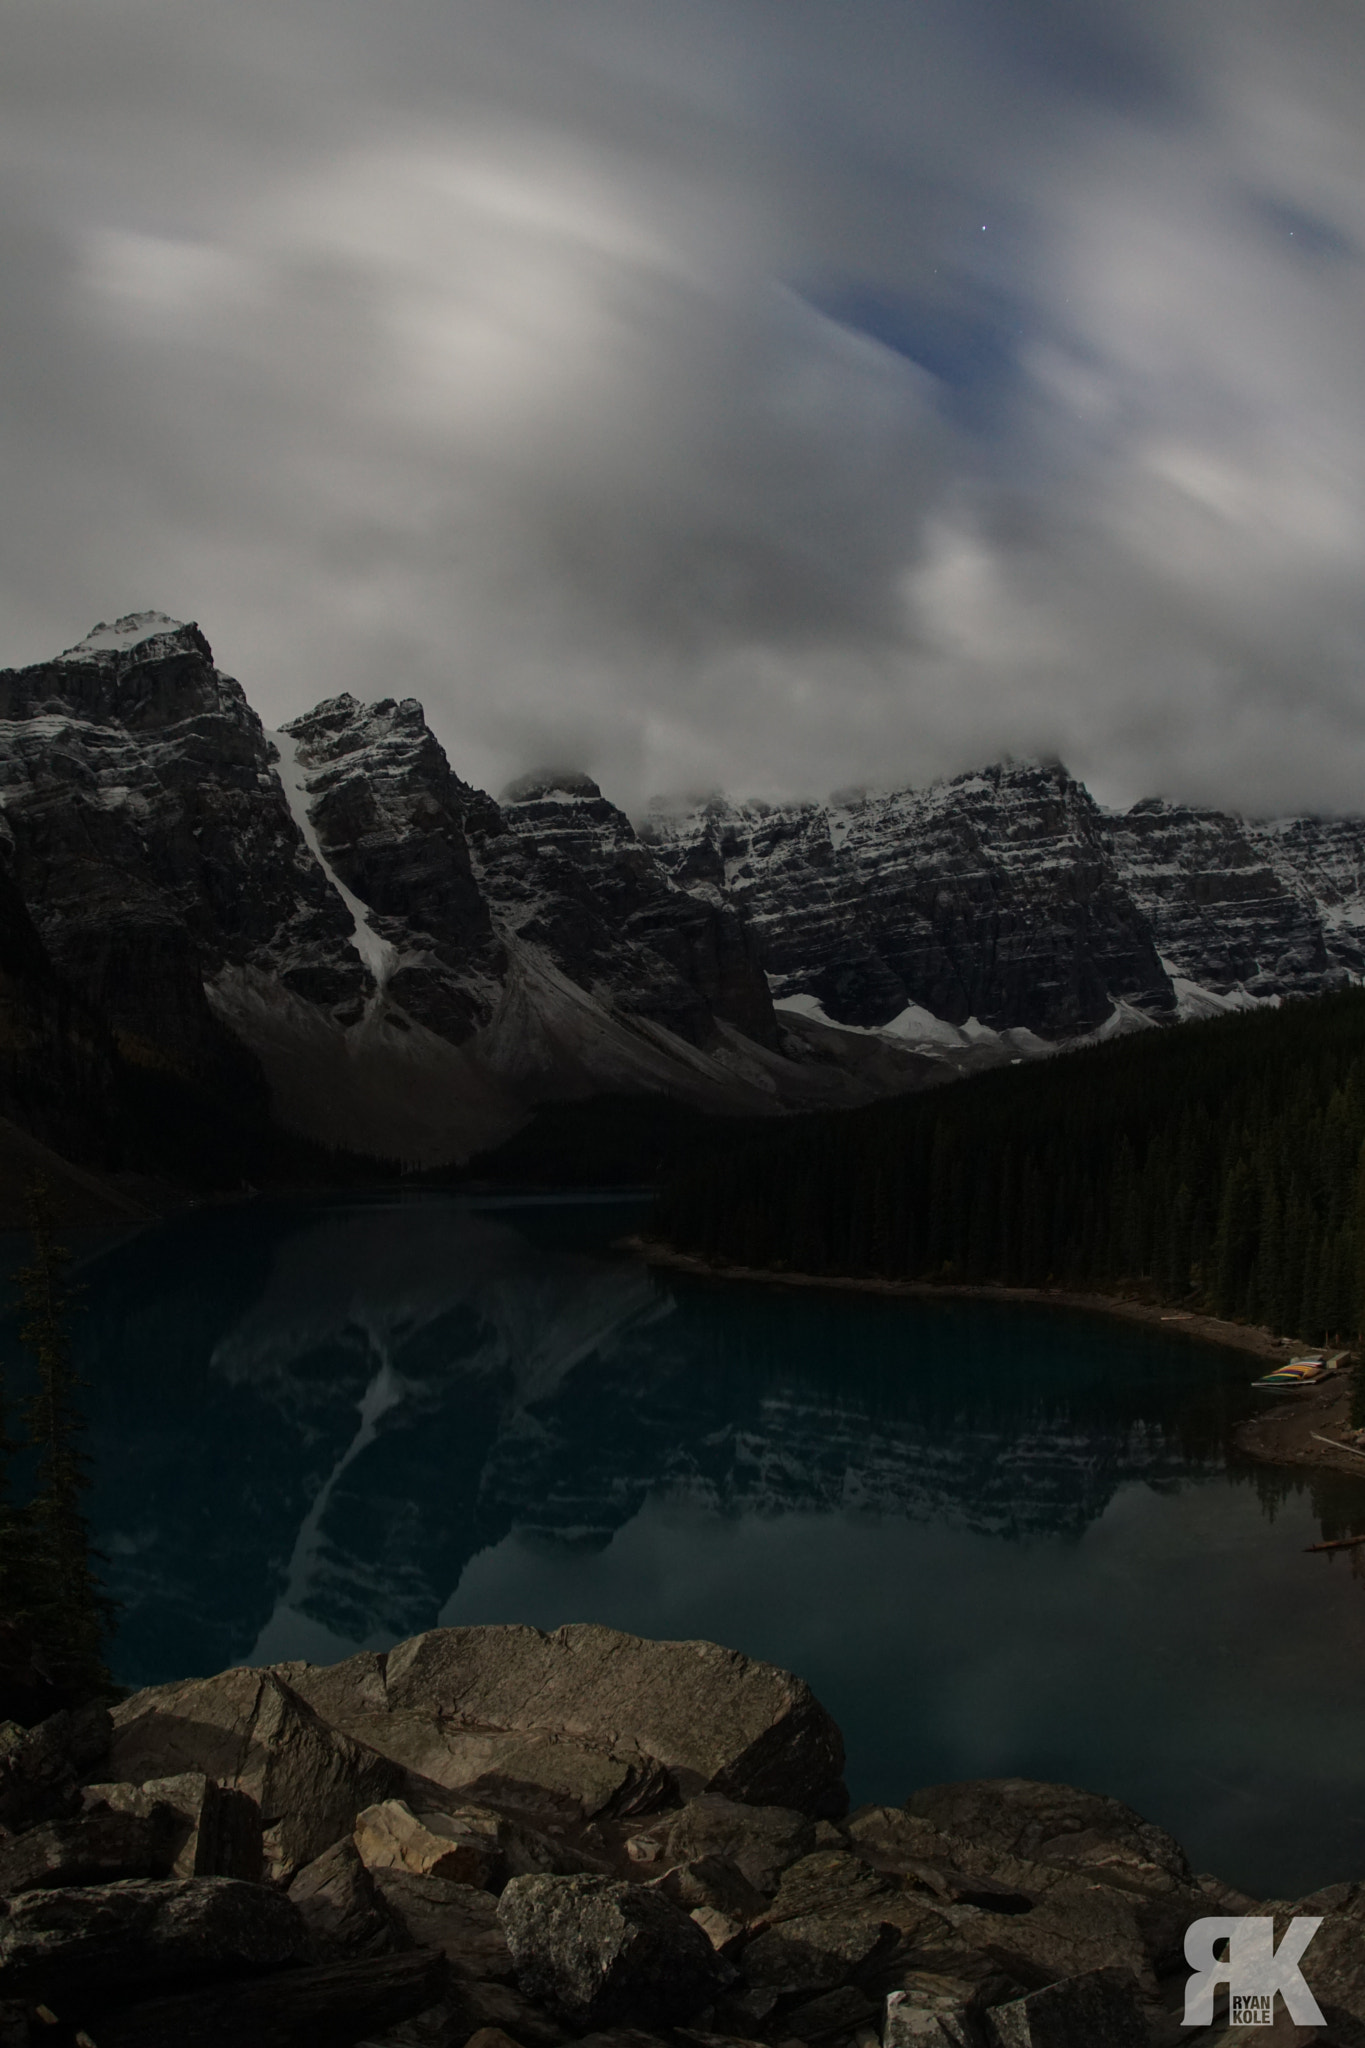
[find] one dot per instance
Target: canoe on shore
(1288, 1378)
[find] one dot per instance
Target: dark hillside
(114, 1128)
(1219, 1163)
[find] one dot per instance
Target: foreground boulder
(1334, 1965)
(1099, 2010)
(330, 2005)
(1043, 1823)
(599, 1952)
(100, 1938)
(90, 1849)
(215, 1829)
(247, 1730)
(936, 2012)
(760, 1841)
(41, 1768)
(1047, 1920)
(588, 1718)
(342, 1905)
(435, 1912)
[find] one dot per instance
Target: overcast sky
(768, 394)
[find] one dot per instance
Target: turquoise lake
(995, 1540)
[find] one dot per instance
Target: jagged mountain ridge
(993, 897)
(331, 917)
(1011, 899)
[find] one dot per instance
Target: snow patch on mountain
(1195, 1003)
(914, 1025)
(379, 956)
(133, 630)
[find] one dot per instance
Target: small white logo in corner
(1253, 1970)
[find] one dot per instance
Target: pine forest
(1215, 1165)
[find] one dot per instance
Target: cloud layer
(757, 393)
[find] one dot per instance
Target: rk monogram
(1253, 1970)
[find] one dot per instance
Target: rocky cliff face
(992, 897)
(330, 920)
(1223, 914)
(567, 871)
(1009, 899)
(152, 844)
(1322, 862)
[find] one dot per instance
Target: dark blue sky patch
(1103, 51)
(973, 350)
(1301, 232)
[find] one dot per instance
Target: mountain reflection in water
(994, 1539)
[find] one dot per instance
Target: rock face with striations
(1221, 913)
(246, 1730)
(152, 841)
(990, 897)
(390, 818)
(572, 875)
(599, 1951)
(330, 919)
(586, 1719)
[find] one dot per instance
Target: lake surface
(996, 1540)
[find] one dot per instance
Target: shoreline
(1287, 1433)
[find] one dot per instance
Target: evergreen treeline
(54, 1615)
(1219, 1165)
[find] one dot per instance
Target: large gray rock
(599, 1952)
(92, 1848)
(342, 1906)
(900, 1844)
(1045, 1823)
(41, 1768)
(434, 1912)
(327, 2005)
(1073, 1922)
(98, 1938)
(462, 1847)
(716, 1895)
(760, 1841)
(587, 1718)
(933, 2012)
(248, 1730)
(217, 1827)
(1080, 1926)
(1099, 2010)
(833, 2012)
(831, 1919)
(1333, 1965)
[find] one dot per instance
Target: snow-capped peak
(130, 631)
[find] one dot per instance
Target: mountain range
(327, 929)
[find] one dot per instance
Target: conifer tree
(71, 1615)
(1221, 1165)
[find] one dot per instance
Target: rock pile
(514, 1840)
